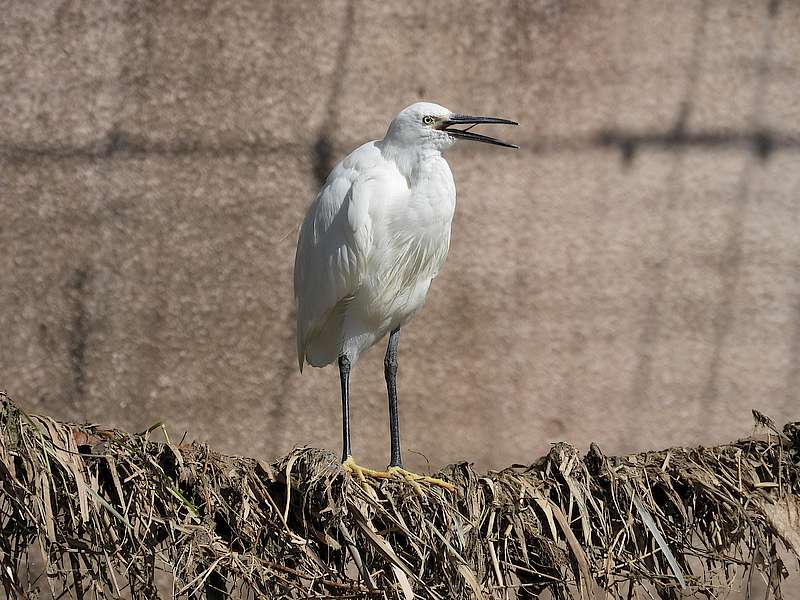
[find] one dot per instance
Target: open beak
(449, 126)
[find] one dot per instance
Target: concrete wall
(629, 276)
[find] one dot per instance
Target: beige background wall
(629, 276)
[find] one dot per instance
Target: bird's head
(425, 124)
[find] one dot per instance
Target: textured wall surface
(629, 276)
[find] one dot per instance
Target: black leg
(344, 377)
(390, 370)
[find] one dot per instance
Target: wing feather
(332, 252)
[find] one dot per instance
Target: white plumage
(376, 235)
(374, 238)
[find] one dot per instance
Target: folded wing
(333, 251)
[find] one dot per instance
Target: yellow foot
(363, 472)
(413, 479)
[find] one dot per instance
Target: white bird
(372, 241)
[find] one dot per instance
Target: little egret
(373, 239)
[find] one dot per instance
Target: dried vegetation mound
(88, 512)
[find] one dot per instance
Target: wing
(333, 246)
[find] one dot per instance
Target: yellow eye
(428, 120)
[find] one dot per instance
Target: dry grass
(106, 511)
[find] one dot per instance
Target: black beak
(466, 134)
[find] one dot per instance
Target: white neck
(409, 160)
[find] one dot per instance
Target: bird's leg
(347, 458)
(344, 378)
(395, 470)
(390, 371)
(396, 464)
